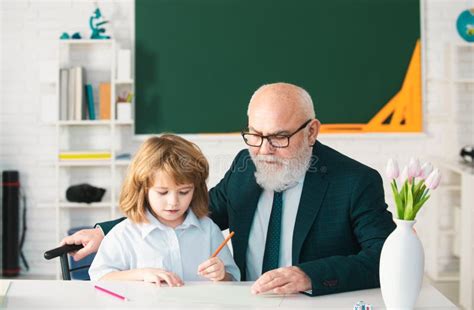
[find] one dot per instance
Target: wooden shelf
(84, 163)
(122, 162)
(94, 205)
(94, 123)
(72, 205)
(85, 123)
(123, 123)
(84, 41)
(123, 82)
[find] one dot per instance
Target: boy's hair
(178, 158)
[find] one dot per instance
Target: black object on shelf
(84, 193)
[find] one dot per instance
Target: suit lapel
(312, 196)
(245, 212)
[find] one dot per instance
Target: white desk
(31, 294)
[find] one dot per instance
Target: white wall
(29, 32)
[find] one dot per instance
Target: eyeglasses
(277, 141)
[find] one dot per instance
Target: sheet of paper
(4, 285)
(218, 294)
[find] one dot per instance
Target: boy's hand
(212, 269)
(158, 275)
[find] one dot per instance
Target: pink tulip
(392, 171)
(414, 168)
(426, 170)
(404, 175)
(433, 180)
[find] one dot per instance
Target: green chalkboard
(199, 61)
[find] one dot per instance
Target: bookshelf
(451, 218)
(104, 135)
(450, 236)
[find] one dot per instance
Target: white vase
(402, 263)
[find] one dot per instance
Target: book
(71, 94)
(104, 100)
(85, 155)
(63, 94)
(90, 102)
(79, 102)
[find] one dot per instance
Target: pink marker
(110, 293)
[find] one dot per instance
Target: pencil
(222, 244)
(110, 292)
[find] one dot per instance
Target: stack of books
(76, 98)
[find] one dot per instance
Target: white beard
(285, 173)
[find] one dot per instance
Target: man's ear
(314, 126)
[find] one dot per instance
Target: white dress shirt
(154, 245)
(258, 231)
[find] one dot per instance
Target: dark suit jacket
(341, 223)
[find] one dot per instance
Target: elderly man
(306, 218)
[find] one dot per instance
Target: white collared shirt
(154, 245)
(258, 231)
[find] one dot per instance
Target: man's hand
(286, 280)
(89, 238)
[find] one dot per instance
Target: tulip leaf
(409, 205)
(419, 205)
(398, 202)
(403, 193)
(418, 191)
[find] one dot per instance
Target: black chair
(62, 253)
